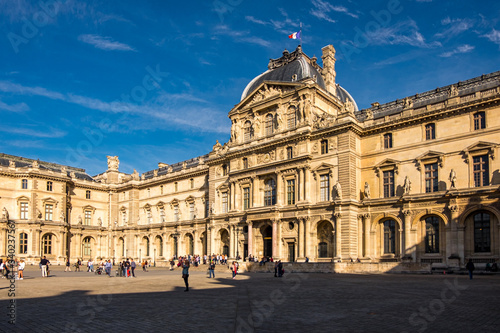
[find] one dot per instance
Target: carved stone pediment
(266, 157)
(430, 157)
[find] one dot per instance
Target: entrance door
(291, 252)
(268, 241)
(245, 251)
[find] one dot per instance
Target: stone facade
(305, 175)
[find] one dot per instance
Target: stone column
(279, 189)
(461, 243)
(406, 243)
(255, 191)
(231, 196)
(361, 233)
(231, 241)
(367, 235)
(78, 244)
(300, 181)
(275, 238)
(307, 238)
(250, 239)
(307, 180)
(452, 239)
(63, 251)
(237, 197)
(301, 239)
(338, 239)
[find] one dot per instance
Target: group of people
(19, 265)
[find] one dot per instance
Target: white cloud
(322, 9)
(240, 36)
(166, 109)
(399, 34)
(104, 43)
(45, 133)
(20, 107)
(457, 26)
(284, 25)
(493, 36)
(461, 49)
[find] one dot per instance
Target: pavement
(155, 301)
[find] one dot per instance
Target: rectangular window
(481, 170)
(246, 198)
(388, 184)
(388, 140)
(49, 210)
(24, 210)
(176, 213)
(161, 189)
(88, 217)
(224, 202)
(191, 210)
(87, 194)
(289, 152)
(176, 187)
(150, 216)
(430, 132)
(390, 237)
(191, 183)
(49, 186)
(324, 185)
(431, 177)
(432, 235)
(23, 243)
(245, 163)
(479, 120)
(290, 192)
(324, 146)
(24, 184)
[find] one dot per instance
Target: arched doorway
(87, 247)
(159, 246)
(224, 242)
(189, 244)
(267, 237)
(326, 240)
(203, 239)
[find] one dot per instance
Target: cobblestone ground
(257, 302)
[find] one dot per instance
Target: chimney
(328, 72)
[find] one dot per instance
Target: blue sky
(153, 81)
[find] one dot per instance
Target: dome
(295, 67)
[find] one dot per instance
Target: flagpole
(300, 35)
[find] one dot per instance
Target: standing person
(21, 269)
(133, 266)
(172, 264)
(44, 263)
(280, 268)
(470, 267)
(234, 268)
(144, 266)
(185, 273)
(68, 268)
(127, 268)
(2, 267)
(211, 269)
(107, 267)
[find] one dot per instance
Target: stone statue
(35, 164)
(407, 185)
(233, 131)
(349, 107)
(99, 222)
(5, 214)
(212, 209)
(307, 109)
(453, 179)
(217, 146)
(135, 175)
(113, 163)
(338, 190)
(279, 120)
(301, 108)
(367, 190)
(407, 103)
(38, 213)
(453, 91)
(155, 173)
(369, 114)
(80, 220)
(12, 164)
(256, 124)
(162, 215)
(61, 216)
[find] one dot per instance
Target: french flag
(295, 35)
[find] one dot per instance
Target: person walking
(211, 269)
(133, 266)
(44, 263)
(172, 264)
(68, 268)
(470, 267)
(185, 273)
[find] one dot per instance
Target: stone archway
(224, 242)
(326, 240)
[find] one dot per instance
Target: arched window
(390, 237)
(87, 246)
(290, 117)
(47, 244)
(270, 193)
(269, 124)
(432, 234)
(23, 243)
(482, 240)
(147, 247)
(247, 131)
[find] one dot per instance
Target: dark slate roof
(22, 162)
(300, 66)
(464, 88)
(191, 163)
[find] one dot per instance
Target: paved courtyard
(256, 302)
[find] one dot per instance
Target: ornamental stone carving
(113, 163)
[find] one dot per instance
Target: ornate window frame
(387, 165)
(477, 149)
(429, 157)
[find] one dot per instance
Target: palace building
(305, 174)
